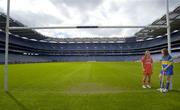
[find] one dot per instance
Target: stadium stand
(28, 46)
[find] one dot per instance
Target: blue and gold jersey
(165, 61)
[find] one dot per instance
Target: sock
(161, 85)
(170, 84)
(167, 85)
(144, 82)
(149, 82)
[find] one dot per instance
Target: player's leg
(149, 81)
(161, 81)
(170, 85)
(144, 81)
(168, 80)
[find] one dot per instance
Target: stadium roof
(29, 33)
(87, 40)
(146, 33)
(143, 34)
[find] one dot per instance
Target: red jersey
(147, 65)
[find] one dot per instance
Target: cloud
(40, 18)
(82, 5)
(87, 12)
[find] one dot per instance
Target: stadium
(48, 73)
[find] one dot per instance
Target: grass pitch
(85, 86)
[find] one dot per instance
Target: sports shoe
(148, 86)
(165, 90)
(160, 89)
(144, 86)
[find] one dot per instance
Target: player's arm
(152, 63)
(142, 64)
(163, 69)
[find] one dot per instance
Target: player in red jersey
(147, 66)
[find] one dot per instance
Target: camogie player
(147, 66)
(167, 70)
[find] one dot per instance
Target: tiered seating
(24, 50)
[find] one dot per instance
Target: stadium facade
(28, 45)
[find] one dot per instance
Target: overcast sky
(87, 12)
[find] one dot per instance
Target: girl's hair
(146, 54)
(165, 52)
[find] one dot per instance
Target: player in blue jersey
(167, 70)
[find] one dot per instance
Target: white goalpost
(8, 28)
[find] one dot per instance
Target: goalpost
(8, 28)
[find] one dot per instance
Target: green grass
(85, 86)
